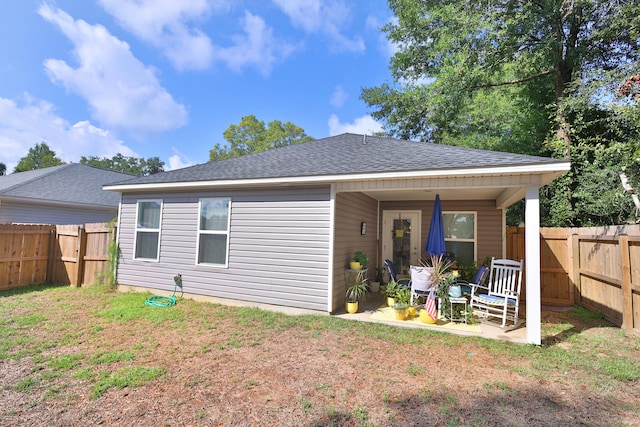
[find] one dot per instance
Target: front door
(401, 239)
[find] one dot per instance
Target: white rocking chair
(501, 297)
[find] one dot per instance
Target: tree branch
(513, 82)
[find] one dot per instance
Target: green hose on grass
(160, 301)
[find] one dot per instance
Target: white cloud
(169, 25)
(255, 47)
(35, 121)
(362, 125)
(179, 160)
(338, 97)
(120, 90)
(325, 17)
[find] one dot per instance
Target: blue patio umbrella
(435, 240)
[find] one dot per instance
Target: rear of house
(279, 227)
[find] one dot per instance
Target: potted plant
(356, 292)
(403, 297)
(390, 290)
(401, 310)
(375, 285)
(443, 278)
(359, 261)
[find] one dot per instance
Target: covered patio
(485, 194)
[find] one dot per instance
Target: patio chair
(391, 270)
(422, 280)
(479, 280)
(501, 297)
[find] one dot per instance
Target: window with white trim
(460, 235)
(213, 231)
(148, 219)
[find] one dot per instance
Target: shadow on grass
(568, 322)
(26, 289)
(495, 405)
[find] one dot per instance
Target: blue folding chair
(391, 270)
(479, 280)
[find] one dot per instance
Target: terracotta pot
(425, 317)
(352, 307)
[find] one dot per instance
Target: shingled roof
(71, 183)
(340, 155)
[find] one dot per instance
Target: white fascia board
(543, 168)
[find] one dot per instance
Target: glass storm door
(401, 239)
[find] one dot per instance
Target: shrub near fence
(596, 267)
(63, 254)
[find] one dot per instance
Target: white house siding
(351, 210)
(33, 213)
(278, 247)
(489, 222)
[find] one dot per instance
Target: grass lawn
(88, 356)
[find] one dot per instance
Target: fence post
(625, 274)
(80, 252)
(575, 269)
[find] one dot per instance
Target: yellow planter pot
(401, 314)
(425, 317)
(355, 265)
(411, 312)
(352, 307)
(390, 301)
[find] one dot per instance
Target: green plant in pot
(377, 281)
(359, 261)
(390, 291)
(356, 292)
(442, 277)
(403, 296)
(401, 310)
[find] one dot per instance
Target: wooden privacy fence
(25, 251)
(598, 268)
(62, 254)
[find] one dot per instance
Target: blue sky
(166, 78)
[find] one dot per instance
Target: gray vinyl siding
(351, 210)
(32, 213)
(489, 222)
(278, 247)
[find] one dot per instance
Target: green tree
(133, 165)
(3, 169)
(251, 136)
(509, 75)
(451, 52)
(39, 156)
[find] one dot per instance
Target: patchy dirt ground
(229, 366)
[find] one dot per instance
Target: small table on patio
(457, 302)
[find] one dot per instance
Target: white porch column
(532, 270)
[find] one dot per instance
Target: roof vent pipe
(364, 139)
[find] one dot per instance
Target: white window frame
(219, 232)
(475, 231)
(147, 230)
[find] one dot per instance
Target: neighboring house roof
(66, 184)
(346, 154)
